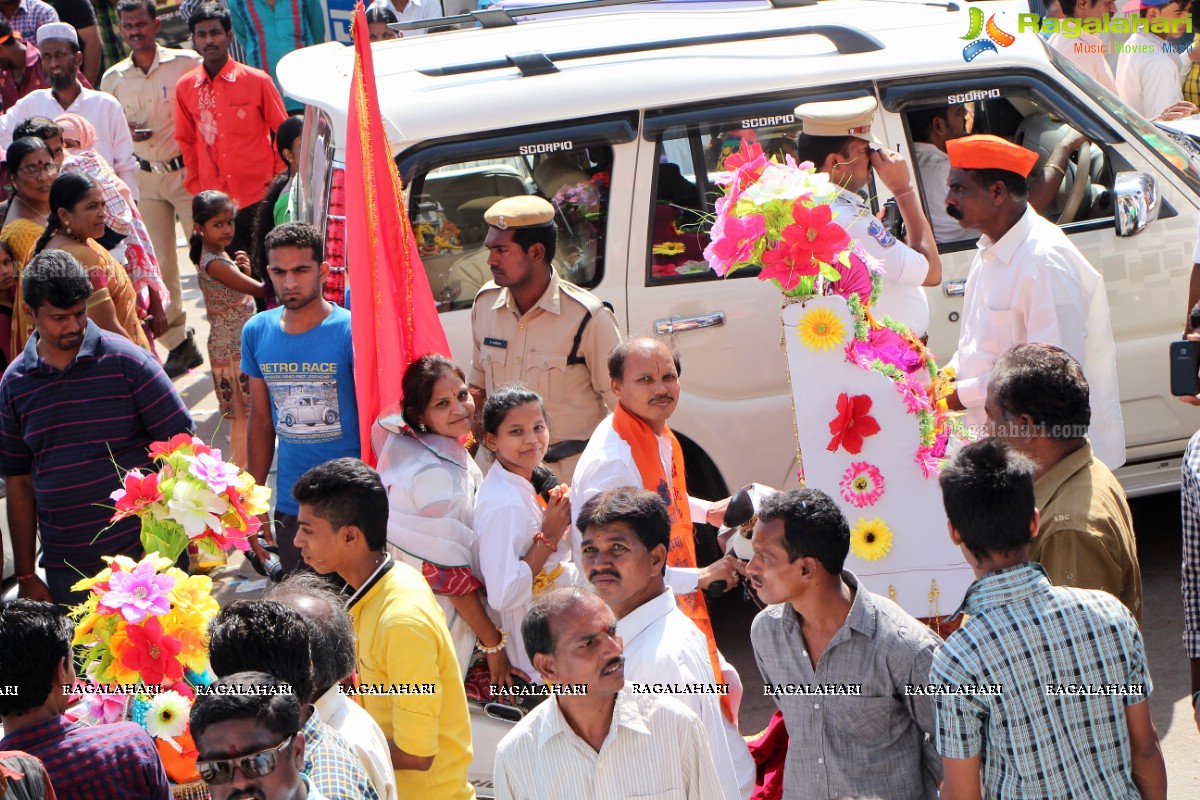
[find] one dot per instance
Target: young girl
(518, 533)
(229, 294)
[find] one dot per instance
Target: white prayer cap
(57, 30)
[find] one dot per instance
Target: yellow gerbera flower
(821, 329)
(871, 539)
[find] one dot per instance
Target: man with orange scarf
(634, 447)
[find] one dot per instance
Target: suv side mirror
(1138, 202)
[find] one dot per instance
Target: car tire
(331, 417)
(289, 420)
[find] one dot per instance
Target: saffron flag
(394, 319)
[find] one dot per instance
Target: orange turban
(990, 152)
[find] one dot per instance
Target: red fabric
(769, 750)
(247, 110)
(34, 78)
(450, 581)
(395, 319)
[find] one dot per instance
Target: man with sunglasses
(247, 732)
(836, 137)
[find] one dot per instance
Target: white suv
(627, 116)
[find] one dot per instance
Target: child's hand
(242, 261)
(557, 518)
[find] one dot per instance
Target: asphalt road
(1156, 521)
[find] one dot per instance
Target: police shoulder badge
(881, 234)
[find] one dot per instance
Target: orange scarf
(682, 551)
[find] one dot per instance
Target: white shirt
(904, 269)
(1150, 82)
(507, 516)
(656, 748)
(607, 463)
(663, 645)
(1087, 52)
(1034, 285)
(934, 166)
(113, 139)
(415, 10)
(365, 737)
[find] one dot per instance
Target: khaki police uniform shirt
(149, 98)
(1085, 538)
(533, 349)
(904, 269)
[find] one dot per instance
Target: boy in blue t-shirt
(300, 363)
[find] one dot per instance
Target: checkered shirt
(1026, 635)
(1189, 501)
(331, 764)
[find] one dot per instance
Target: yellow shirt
(403, 645)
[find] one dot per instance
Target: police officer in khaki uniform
(532, 327)
(836, 138)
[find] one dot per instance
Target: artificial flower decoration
(815, 237)
(871, 539)
(167, 717)
(194, 497)
(862, 484)
(821, 329)
(852, 424)
(139, 593)
(106, 707)
(739, 236)
(152, 653)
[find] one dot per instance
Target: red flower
(139, 492)
(179, 440)
(815, 234)
(852, 424)
(779, 264)
(152, 655)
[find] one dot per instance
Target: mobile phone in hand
(1185, 368)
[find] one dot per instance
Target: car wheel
(330, 417)
(289, 420)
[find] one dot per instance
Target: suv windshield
(1182, 161)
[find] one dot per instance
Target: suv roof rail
(495, 17)
(846, 39)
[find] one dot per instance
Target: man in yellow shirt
(407, 670)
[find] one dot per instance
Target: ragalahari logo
(984, 37)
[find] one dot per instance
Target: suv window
(1020, 116)
(448, 202)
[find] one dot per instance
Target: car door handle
(680, 324)
(955, 288)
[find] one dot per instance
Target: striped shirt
(74, 429)
(29, 16)
(101, 762)
(1189, 500)
(1067, 662)
(656, 747)
(331, 766)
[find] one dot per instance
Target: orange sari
(682, 550)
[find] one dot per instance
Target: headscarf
(77, 128)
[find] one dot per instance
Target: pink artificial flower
(928, 461)
(856, 279)
(941, 442)
(138, 594)
(140, 491)
(217, 474)
(105, 707)
(915, 399)
(734, 243)
(862, 484)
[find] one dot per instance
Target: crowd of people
(565, 581)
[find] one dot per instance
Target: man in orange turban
(1028, 283)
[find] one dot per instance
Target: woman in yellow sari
(33, 170)
(76, 217)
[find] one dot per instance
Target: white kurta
(934, 166)
(663, 646)
(1087, 52)
(904, 269)
(364, 736)
(1035, 286)
(431, 483)
(1150, 82)
(607, 463)
(507, 516)
(105, 112)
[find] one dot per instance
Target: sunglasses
(254, 765)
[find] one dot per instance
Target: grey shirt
(879, 742)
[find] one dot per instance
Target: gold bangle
(495, 649)
(1061, 171)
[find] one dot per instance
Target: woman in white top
(431, 482)
(519, 532)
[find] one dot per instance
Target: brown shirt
(149, 98)
(535, 348)
(1086, 537)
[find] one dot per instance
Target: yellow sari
(20, 235)
(110, 281)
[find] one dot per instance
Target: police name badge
(881, 234)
